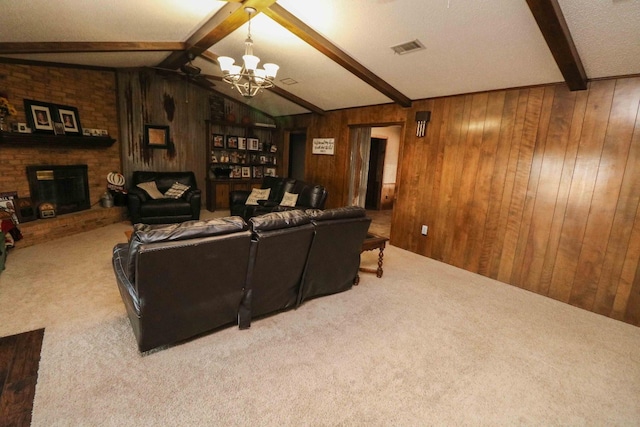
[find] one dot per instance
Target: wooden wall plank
(482, 186)
(521, 181)
(547, 188)
(495, 260)
(473, 142)
(497, 189)
(564, 187)
(527, 224)
(581, 192)
(621, 182)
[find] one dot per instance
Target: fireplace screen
(67, 187)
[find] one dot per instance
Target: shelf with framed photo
(239, 155)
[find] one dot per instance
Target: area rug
(19, 361)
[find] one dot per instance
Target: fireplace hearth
(67, 187)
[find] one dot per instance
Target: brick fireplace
(93, 93)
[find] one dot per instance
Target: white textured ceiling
(470, 45)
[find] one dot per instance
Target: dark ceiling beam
(550, 19)
(84, 47)
(313, 38)
(228, 19)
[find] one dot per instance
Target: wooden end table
(371, 242)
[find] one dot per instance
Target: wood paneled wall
(146, 98)
(536, 187)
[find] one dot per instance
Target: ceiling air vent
(408, 47)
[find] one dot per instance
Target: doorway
(297, 152)
(373, 197)
(374, 155)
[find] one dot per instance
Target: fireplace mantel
(35, 139)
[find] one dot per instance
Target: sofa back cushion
(310, 195)
(146, 233)
(278, 186)
(278, 220)
(336, 213)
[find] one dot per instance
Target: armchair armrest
(139, 193)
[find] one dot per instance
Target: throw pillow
(151, 189)
(176, 191)
(289, 199)
(257, 194)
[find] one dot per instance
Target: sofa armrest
(238, 197)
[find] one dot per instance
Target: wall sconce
(422, 117)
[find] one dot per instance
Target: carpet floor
(426, 344)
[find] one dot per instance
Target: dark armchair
(143, 208)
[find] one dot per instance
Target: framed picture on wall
(39, 115)
(69, 118)
(156, 136)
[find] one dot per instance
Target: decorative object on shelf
(39, 115)
(58, 128)
(246, 172)
(218, 140)
(7, 204)
(253, 144)
(232, 141)
(46, 210)
(21, 128)
(25, 210)
(6, 110)
(248, 79)
(242, 143)
(70, 119)
(156, 136)
(222, 172)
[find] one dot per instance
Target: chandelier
(248, 79)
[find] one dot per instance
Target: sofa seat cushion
(164, 207)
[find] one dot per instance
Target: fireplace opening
(67, 187)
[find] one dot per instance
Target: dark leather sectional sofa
(181, 280)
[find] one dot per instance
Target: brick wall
(92, 92)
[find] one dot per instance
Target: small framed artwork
(253, 144)
(58, 128)
(269, 171)
(242, 143)
(156, 136)
(236, 172)
(246, 172)
(263, 160)
(39, 115)
(70, 119)
(232, 141)
(258, 171)
(218, 140)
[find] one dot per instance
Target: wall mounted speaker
(25, 210)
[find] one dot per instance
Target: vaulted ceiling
(337, 54)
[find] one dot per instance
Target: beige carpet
(428, 344)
